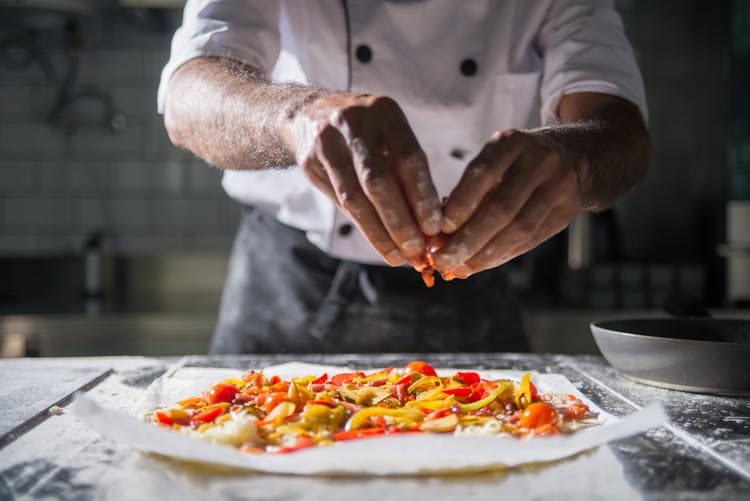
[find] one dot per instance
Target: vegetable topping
(285, 416)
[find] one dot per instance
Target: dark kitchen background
(112, 241)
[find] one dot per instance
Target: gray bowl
(702, 355)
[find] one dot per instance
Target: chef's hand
(360, 151)
(520, 190)
(526, 186)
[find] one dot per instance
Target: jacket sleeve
(584, 49)
(240, 29)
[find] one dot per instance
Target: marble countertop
(703, 454)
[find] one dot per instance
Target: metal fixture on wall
(23, 49)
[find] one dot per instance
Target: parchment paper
(380, 455)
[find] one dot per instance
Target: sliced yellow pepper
(239, 383)
(360, 418)
(522, 397)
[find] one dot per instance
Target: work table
(704, 453)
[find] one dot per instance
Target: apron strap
(345, 283)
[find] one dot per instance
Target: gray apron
(283, 294)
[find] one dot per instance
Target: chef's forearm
(607, 142)
(228, 114)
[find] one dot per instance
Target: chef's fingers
(498, 210)
(382, 188)
(517, 239)
(334, 156)
(317, 175)
(412, 169)
(481, 176)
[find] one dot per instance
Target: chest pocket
(514, 101)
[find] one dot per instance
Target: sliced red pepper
(163, 418)
(378, 421)
(463, 391)
(345, 377)
(468, 378)
(364, 432)
(534, 392)
(398, 391)
(322, 379)
(438, 413)
(471, 393)
(405, 380)
(208, 416)
(323, 402)
(303, 442)
(384, 371)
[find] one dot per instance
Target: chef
(352, 132)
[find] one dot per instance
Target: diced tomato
(421, 367)
(272, 400)
(538, 414)
(322, 379)
(576, 410)
(208, 416)
(163, 418)
(364, 432)
(274, 379)
(254, 379)
(468, 378)
(279, 386)
(222, 393)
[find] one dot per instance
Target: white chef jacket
(460, 70)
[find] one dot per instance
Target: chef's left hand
(518, 192)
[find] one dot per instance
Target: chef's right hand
(360, 151)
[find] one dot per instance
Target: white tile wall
(56, 187)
